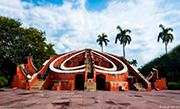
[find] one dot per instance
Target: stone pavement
(47, 99)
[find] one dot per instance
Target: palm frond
(117, 37)
(128, 39)
(161, 26)
(171, 37)
(169, 29)
(102, 38)
(122, 37)
(100, 43)
(160, 36)
(105, 43)
(99, 36)
(127, 30)
(107, 40)
(120, 29)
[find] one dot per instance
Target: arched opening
(79, 82)
(100, 82)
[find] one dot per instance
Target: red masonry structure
(156, 83)
(85, 69)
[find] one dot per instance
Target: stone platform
(47, 99)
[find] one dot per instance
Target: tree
(102, 39)
(123, 37)
(3, 82)
(41, 51)
(168, 65)
(165, 36)
(16, 43)
(14, 47)
(134, 62)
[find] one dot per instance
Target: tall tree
(41, 51)
(16, 43)
(165, 36)
(14, 46)
(123, 37)
(102, 38)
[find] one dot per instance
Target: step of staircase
(90, 85)
(131, 76)
(37, 85)
(89, 67)
(139, 86)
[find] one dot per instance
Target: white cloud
(71, 27)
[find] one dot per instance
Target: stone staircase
(37, 85)
(90, 85)
(136, 83)
(89, 66)
(139, 86)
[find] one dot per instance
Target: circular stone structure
(85, 69)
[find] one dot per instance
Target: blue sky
(75, 24)
(91, 5)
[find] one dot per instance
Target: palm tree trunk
(124, 49)
(102, 47)
(166, 47)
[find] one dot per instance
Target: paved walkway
(47, 99)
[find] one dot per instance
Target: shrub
(173, 85)
(3, 82)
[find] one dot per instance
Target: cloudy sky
(75, 24)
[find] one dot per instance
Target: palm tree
(134, 62)
(102, 39)
(123, 37)
(165, 36)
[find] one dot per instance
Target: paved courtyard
(47, 99)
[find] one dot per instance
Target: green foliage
(3, 81)
(165, 36)
(16, 43)
(41, 51)
(134, 62)
(14, 46)
(8, 69)
(168, 65)
(101, 39)
(123, 37)
(173, 86)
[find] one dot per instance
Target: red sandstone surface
(85, 69)
(77, 99)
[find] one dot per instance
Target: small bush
(3, 82)
(173, 86)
